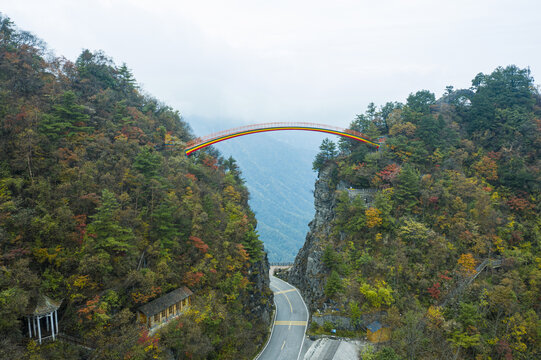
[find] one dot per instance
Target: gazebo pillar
(52, 324)
(56, 319)
(39, 329)
(29, 327)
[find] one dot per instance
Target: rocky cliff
(308, 271)
(260, 303)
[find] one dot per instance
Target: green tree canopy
(107, 233)
(328, 152)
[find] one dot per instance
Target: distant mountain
(277, 168)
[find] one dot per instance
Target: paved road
(290, 323)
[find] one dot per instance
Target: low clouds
(315, 61)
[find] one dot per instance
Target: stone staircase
(492, 263)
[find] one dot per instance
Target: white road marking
(278, 291)
(307, 316)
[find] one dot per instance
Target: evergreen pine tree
(408, 187)
(109, 234)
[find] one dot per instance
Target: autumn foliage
(466, 264)
(193, 278)
(95, 212)
(199, 244)
(455, 185)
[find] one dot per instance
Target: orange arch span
(208, 140)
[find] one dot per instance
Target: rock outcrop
(308, 271)
(260, 302)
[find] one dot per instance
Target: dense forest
(449, 248)
(96, 213)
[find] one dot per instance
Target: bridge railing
(203, 139)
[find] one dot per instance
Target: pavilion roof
(163, 302)
(42, 305)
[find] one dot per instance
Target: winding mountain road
(287, 336)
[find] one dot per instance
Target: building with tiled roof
(164, 308)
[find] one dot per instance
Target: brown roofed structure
(42, 305)
(163, 302)
(42, 311)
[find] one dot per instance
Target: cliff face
(308, 270)
(260, 302)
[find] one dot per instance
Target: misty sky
(317, 61)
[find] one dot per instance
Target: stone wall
(367, 195)
(341, 322)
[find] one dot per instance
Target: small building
(42, 317)
(376, 332)
(165, 308)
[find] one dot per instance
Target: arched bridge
(205, 141)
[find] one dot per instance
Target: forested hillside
(96, 213)
(448, 250)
